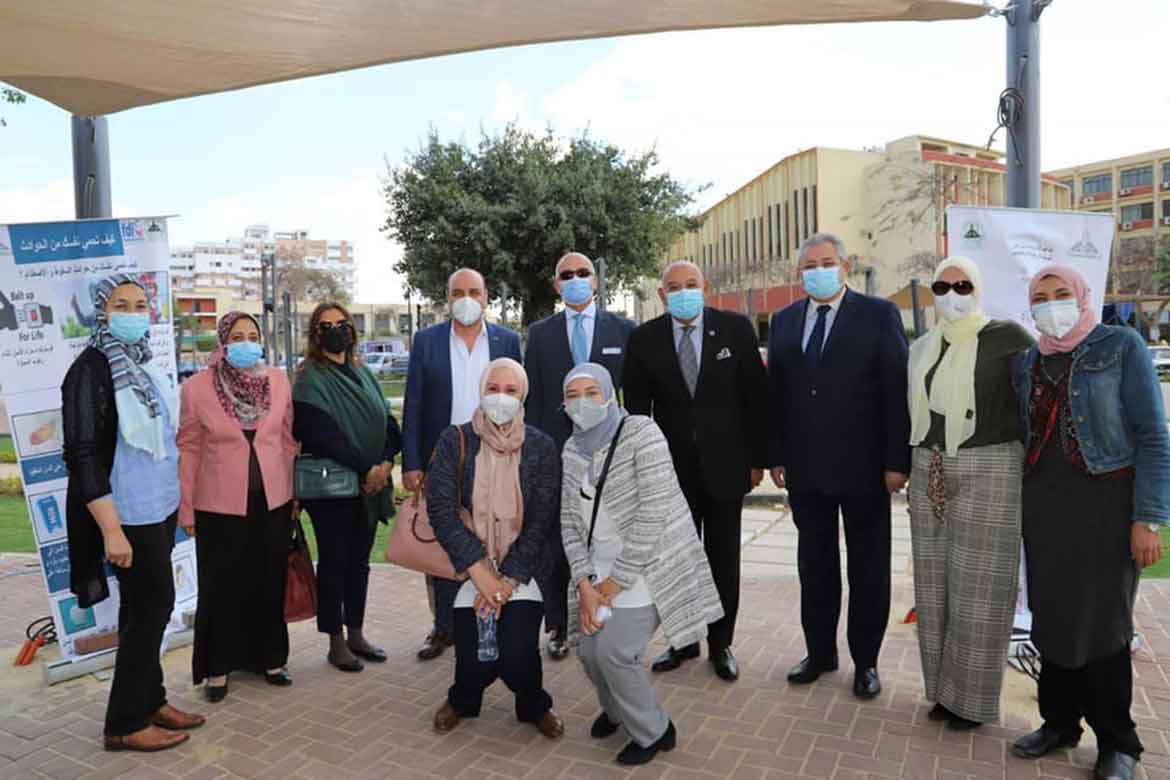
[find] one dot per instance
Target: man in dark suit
(697, 371)
(839, 441)
(579, 334)
(442, 389)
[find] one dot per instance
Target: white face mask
(500, 408)
(586, 413)
(953, 306)
(467, 311)
(1056, 318)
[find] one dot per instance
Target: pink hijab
(1088, 319)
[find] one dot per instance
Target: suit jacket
(548, 358)
(214, 454)
(426, 409)
(718, 436)
(837, 430)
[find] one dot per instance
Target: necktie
(816, 341)
(688, 361)
(580, 343)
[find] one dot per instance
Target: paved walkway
(376, 724)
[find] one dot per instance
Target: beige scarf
(497, 505)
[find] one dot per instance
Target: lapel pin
(710, 333)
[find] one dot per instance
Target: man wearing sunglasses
(578, 334)
(839, 441)
(442, 389)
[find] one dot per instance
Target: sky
(720, 106)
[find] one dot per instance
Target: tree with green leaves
(514, 204)
(304, 283)
(11, 96)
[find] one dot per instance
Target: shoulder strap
(601, 481)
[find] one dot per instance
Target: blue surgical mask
(576, 291)
(685, 304)
(244, 354)
(822, 282)
(128, 328)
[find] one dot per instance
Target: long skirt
(243, 562)
(966, 573)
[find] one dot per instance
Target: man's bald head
(465, 279)
(573, 261)
(577, 267)
(679, 272)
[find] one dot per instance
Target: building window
(1095, 185)
(748, 249)
(1166, 175)
(771, 234)
(787, 232)
(814, 208)
(804, 208)
(1137, 212)
(1068, 183)
(404, 323)
(795, 219)
(1166, 209)
(1138, 177)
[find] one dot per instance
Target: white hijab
(952, 391)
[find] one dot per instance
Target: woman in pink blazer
(236, 455)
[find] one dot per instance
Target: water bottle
(489, 648)
(604, 613)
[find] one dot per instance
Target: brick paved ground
(377, 724)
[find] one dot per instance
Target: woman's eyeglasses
(962, 287)
(325, 327)
(580, 273)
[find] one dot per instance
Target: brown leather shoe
(434, 645)
(148, 740)
(176, 720)
(446, 718)
(551, 725)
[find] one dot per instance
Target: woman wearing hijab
(497, 535)
(1096, 495)
(964, 497)
(236, 454)
(339, 412)
(119, 412)
(633, 551)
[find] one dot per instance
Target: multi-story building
(887, 204)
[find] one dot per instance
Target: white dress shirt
(590, 315)
(810, 318)
(466, 370)
(696, 337)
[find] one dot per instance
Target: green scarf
(359, 411)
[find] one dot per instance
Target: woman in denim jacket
(1096, 494)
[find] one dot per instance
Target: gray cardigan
(659, 541)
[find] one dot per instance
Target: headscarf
(1085, 323)
(497, 504)
(245, 394)
(140, 418)
(601, 435)
(952, 391)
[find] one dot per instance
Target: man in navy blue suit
(442, 389)
(579, 334)
(839, 441)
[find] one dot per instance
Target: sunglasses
(325, 327)
(580, 273)
(963, 287)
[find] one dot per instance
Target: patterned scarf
(244, 394)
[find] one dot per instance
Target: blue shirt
(145, 490)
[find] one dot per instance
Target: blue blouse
(145, 490)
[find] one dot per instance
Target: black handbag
(316, 479)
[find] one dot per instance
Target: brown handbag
(300, 588)
(412, 543)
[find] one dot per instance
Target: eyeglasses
(580, 273)
(325, 327)
(963, 287)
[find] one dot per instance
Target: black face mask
(336, 340)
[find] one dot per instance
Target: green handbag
(315, 479)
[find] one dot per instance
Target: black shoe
(1114, 765)
(634, 754)
(959, 723)
(1043, 741)
(558, 645)
(866, 683)
(350, 664)
(939, 713)
(726, 667)
(370, 653)
(808, 670)
(433, 646)
(673, 659)
(215, 693)
(279, 678)
(603, 727)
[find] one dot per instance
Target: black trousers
(556, 601)
(1100, 692)
(718, 522)
(518, 665)
(345, 537)
(243, 566)
(867, 539)
(147, 592)
(441, 595)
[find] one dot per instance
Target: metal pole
(289, 361)
(918, 324)
(1023, 75)
(601, 289)
(871, 281)
(268, 303)
(91, 167)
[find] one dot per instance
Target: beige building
(887, 205)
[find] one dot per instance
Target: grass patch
(16, 534)
(394, 389)
(7, 450)
(1161, 569)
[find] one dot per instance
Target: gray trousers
(613, 661)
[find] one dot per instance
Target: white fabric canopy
(100, 56)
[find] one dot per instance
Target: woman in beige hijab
(493, 520)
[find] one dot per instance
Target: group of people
(595, 485)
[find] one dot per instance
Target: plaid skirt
(966, 544)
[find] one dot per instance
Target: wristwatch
(1154, 528)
